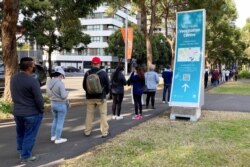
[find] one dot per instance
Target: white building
(99, 26)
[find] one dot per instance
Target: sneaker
(114, 117)
(53, 138)
(164, 102)
(61, 140)
(119, 117)
(30, 159)
(140, 116)
(135, 117)
(104, 136)
(87, 135)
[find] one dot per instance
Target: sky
(243, 9)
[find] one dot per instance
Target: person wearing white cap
(58, 96)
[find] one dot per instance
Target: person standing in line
(227, 75)
(216, 77)
(118, 81)
(138, 81)
(167, 76)
(151, 81)
(129, 84)
(206, 77)
(28, 108)
(59, 104)
(95, 100)
(223, 75)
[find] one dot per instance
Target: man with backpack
(96, 85)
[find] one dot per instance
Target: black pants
(150, 95)
(117, 103)
(137, 103)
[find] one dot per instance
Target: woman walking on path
(151, 82)
(59, 106)
(138, 81)
(118, 81)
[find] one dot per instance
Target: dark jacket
(138, 84)
(167, 77)
(117, 85)
(26, 95)
(103, 76)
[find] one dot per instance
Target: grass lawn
(240, 88)
(217, 139)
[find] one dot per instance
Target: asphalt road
(51, 154)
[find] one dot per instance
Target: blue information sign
(188, 86)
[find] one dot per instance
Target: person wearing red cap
(97, 100)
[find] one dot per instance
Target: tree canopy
(52, 23)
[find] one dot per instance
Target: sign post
(188, 86)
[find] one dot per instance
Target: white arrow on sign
(185, 86)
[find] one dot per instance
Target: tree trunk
(9, 26)
(149, 51)
(49, 61)
(150, 33)
(170, 40)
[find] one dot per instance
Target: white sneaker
(164, 102)
(61, 140)
(119, 117)
(114, 117)
(53, 138)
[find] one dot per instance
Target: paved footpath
(51, 154)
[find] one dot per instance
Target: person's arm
(48, 91)
(84, 81)
(106, 83)
(123, 79)
(63, 92)
(156, 78)
(37, 94)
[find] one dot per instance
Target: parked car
(71, 69)
(39, 74)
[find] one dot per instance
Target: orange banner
(129, 41)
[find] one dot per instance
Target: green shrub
(244, 75)
(6, 107)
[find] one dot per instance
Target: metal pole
(126, 46)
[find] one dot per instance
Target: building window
(95, 39)
(93, 51)
(95, 16)
(105, 39)
(93, 27)
(119, 18)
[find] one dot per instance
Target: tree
(41, 26)
(55, 24)
(245, 38)
(117, 47)
(161, 51)
(147, 8)
(8, 28)
(159, 48)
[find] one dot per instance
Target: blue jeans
(59, 111)
(26, 129)
(167, 87)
